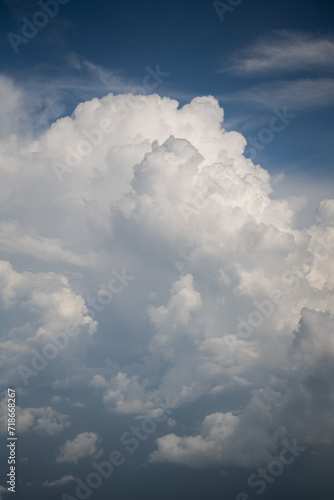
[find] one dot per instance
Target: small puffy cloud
(48, 421)
(127, 395)
(224, 439)
(43, 420)
(98, 381)
(84, 445)
(196, 450)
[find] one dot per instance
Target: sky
(166, 249)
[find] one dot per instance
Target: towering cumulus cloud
(143, 223)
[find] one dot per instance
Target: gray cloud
(84, 445)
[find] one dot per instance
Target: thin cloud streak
(283, 52)
(298, 95)
(59, 482)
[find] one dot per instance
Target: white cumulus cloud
(225, 285)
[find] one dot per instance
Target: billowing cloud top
(138, 223)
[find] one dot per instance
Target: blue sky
(166, 248)
(199, 50)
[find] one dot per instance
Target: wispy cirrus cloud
(283, 52)
(295, 94)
